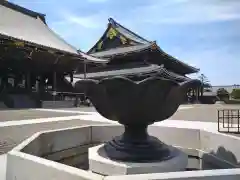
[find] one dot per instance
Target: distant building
(229, 88)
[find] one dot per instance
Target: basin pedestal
(99, 163)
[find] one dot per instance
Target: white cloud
(81, 31)
(93, 21)
(185, 11)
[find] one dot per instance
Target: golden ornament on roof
(154, 46)
(123, 40)
(99, 46)
(111, 33)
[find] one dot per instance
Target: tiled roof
(25, 25)
(122, 50)
(159, 70)
(30, 29)
(128, 33)
(90, 58)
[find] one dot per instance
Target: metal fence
(229, 120)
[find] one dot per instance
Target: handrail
(228, 120)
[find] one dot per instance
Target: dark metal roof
(90, 58)
(122, 50)
(141, 47)
(171, 75)
(144, 70)
(122, 30)
(126, 71)
(127, 33)
(190, 69)
(142, 44)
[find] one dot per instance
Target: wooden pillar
(197, 94)
(37, 83)
(54, 81)
(54, 85)
(71, 77)
(28, 81)
(85, 76)
(41, 84)
(194, 95)
(85, 69)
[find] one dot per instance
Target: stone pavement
(23, 114)
(17, 125)
(196, 112)
(206, 113)
(203, 113)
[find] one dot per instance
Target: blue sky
(203, 33)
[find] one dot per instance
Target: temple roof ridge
(127, 32)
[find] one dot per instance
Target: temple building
(33, 59)
(133, 56)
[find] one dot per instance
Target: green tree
(235, 94)
(205, 83)
(223, 94)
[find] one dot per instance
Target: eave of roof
(122, 50)
(90, 58)
(138, 48)
(194, 69)
(144, 70)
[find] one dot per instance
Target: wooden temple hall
(33, 59)
(135, 57)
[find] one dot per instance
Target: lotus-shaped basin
(136, 105)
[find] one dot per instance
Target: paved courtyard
(24, 114)
(206, 113)
(17, 125)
